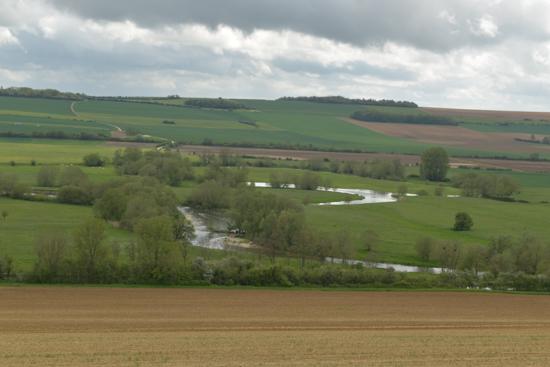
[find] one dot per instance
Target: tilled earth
(66, 326)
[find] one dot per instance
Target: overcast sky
(463, 53)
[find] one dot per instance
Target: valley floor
(67, 326)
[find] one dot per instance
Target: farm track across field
(63, 326)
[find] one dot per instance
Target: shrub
(463, 222)
(93, 160)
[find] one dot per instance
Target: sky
(486, 54)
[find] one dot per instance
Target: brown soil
(456, 136)
(518, 165)
(131, 144)
(51, 326)
(499, 115)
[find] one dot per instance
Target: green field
(48, 151)
(277, 123)
(27, 219)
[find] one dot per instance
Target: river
(211, 230)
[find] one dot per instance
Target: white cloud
(484, 26)
(7, 37)
(123, 56)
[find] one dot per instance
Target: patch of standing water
(368, 196)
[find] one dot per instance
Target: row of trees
(168, 167)
(488, 186)
(218, 103)
(156, 256)
(359, 101)
(39, 93)
(505, 254)
(416, 118)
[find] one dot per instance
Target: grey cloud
(419, 23)
(353, 68)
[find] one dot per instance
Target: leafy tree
(475, 258)
(74, 195)
(112, 204)
(47, 176)
(424, 247)
(51, 251)
(91, 251)
(434, 164)
(448, 254)
(157, 253)
(463, 222)
(308, 181)
(209, 195)
(93, 160)
(402, 190)
(73, 176)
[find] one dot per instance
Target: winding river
(211, 231)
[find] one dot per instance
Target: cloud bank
(473, 54)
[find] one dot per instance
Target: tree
(463, 222)
(47, 176)
(402, 190)
(157, 256)
(474, 258)
(4, 214)
(424, 247)
(343, 245)
(434, 164)
(73, 176)
(369, 239)
(91, 251)
(448, 254)
(93, 160)
(112, 204)
(50, 254)
(74, 195)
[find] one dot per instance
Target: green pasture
(27, 219)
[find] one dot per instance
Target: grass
(27, 219)
(400, 224)
(47, 151)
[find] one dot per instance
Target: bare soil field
(455, 136)
(65, 326)
(518, 165)
(497, 115)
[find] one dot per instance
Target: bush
(463, 222)
(47, 176)
(74, 195)
(93, 160)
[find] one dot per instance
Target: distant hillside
(344, 100)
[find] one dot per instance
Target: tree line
(402, 118)
(219, 103)
(359, 101)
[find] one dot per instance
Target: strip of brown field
(503, 115)
(518, 165)
(455, 136)
(64, 326)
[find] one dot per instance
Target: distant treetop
(344, 100)
(225, 104)
(40, 93)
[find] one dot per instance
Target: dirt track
(61, 326)
(529, 166)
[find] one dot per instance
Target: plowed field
(63, 326)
